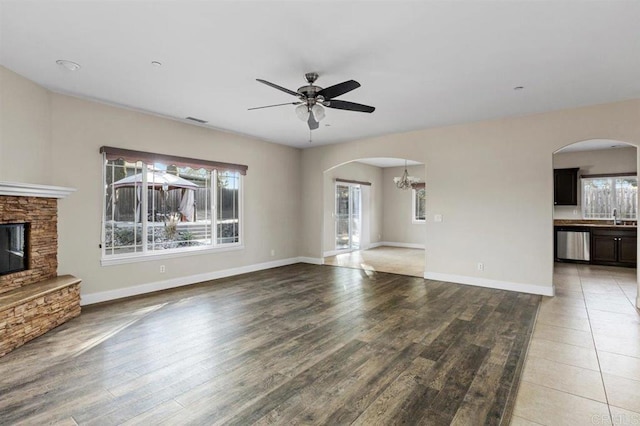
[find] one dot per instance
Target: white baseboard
(404, 245)
(483, 282)
(103, 296)
(311, 260)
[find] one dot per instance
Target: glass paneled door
(347, 216)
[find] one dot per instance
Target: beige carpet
(395, 260)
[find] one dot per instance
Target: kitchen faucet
(616, 221)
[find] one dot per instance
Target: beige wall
(492, 183)
(398, 226)
(271, 188)
(25, 140)
(618, 160)
(372, 201)
(54, 139)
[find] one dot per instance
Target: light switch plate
(437, 218)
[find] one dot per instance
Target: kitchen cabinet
(617, 247)
(565, 187)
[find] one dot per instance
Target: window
(602, 194)
(419, 204)
(156, 204)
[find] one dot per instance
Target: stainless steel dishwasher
(573, 243)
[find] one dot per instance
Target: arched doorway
(369, 223)
(595, 216)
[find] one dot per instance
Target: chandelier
(406, 181)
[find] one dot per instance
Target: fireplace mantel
(17, 189)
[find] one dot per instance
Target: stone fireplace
(42, 216)
(34, 300)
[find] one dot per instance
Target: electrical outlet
(273, 252)
(162, 269)
(480, 266)
(437, 218)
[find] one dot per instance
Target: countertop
(594, 224)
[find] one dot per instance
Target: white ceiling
(421, 64)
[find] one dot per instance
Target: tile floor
(395, 260)
(583, 364)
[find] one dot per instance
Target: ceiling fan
(311, 99)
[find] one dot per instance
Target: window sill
(418, 222)
(123, 259)
(609, 219)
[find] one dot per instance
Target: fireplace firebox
(14, 253)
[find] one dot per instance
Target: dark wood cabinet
(617, 247)
(603, 248)
(628, 249)
(565, 187)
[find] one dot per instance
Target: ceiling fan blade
(313, 124)
(275, 86)
(350, 106)
(269, 106)
(338, 89)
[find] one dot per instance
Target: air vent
(197, 120)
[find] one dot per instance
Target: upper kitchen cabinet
(565, 185)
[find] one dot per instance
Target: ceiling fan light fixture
(302, 111)
(318, 112)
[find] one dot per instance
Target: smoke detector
(69, 65)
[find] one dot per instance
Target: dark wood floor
(297, 344)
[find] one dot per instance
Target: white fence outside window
(600, 195)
